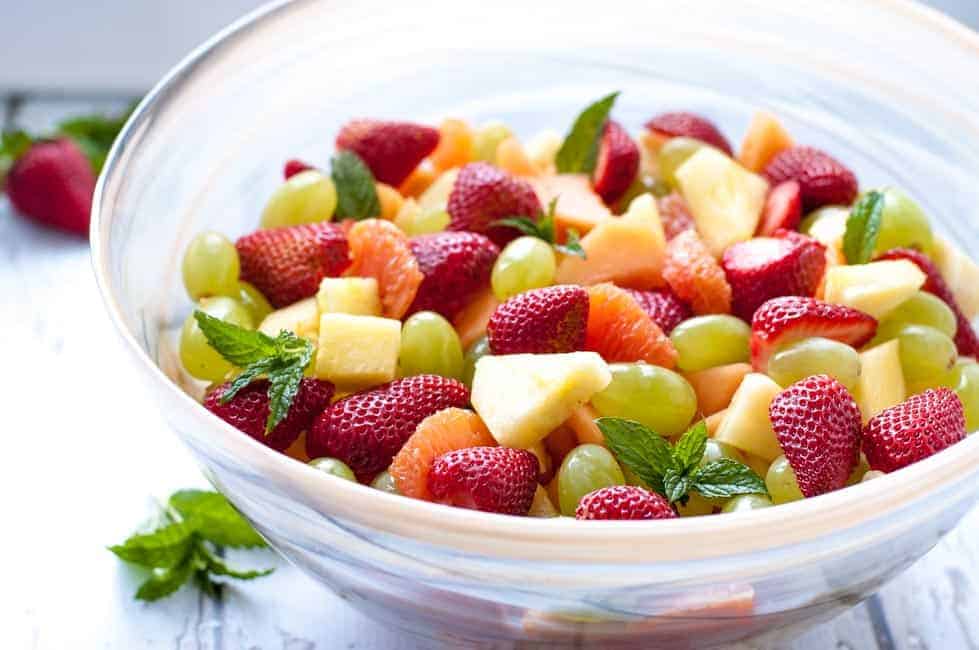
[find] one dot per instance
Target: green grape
(476, 351)
(747, 502)
(385, 483)
(210, 266)
(715, 450)
(964, 379)
(198, 357)
(827, 224)
(632, 479)
(903, 224)
(815, 356)
(307, 197)
(425, 222)
(487, 138)
(585, 469)
(781, 482)
(254, 302)
(335, 467)
(926, 353)
(430, 345)
(924, 308)
(526, 263)
(708, 341)
(673, 154)
(659, 398)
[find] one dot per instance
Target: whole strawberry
(391, 150)
(913, 430)
(366, 430)
(248, 410)
(491, 479)
(287, 264)
(624, 502)
(617, 163)
(483, 194)
(456, 266)
(822, 179)
(817, 424)
(663, 306)
(294, 166)
(52, 182)
(540, 321)
(689, 125)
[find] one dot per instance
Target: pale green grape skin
(926, 353)
(903, 224)
(747, 502)
(658, 398)
(526, 263)
(815, 356)
(335, 467)
(923, 308)
(781, 482)
(476, 351)
(487, 138)
(966, 385)
(210, 266)
(385, 483)
(673, 154)
(307, 197)
(585, 469)
(716, 450)
(196, 354)
(430, 345)
(708, 341)
(253, 300)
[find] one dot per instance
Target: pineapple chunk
(357, 296)
(725, 199)
(357, 351)
(961, 275)
(881, 383)
(746, 424)
(301, 318)
(523, 397)
(436, 197)
(874, 288)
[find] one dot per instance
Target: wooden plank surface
(86, 450)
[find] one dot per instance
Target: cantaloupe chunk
(512, 157)
(301, 318)
(455, 147)
(881, 383)
(766, 137)
(746, 425)
(419, 180)
(577, 206)
(470, 322)
(714, 421)
(716, 386)
(582, 422)
(390, 200)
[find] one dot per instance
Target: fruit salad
(602, 325)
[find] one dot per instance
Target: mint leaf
(164, 548)
(543, 228)
(218, 567)
(725, 477)
(283, 387)
(164, 582)
(525, 225)
(676, 486)
(863, 227)
(94, 134)
(238, 345)
(356, 192)
(579, 150)
(572, 246)
(689, 450)
(643, 451)
(215, 519)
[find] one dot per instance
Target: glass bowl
(885, 85)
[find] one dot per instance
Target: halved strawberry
(617, 163)
(483, 194)
(391, 150)
(456, 266)
(491, 479)
(663, 306)
(792, 318)
(822, 179)
(295, 166)
(690, 125)
(783, 209)
(913, 430)
(540, 321)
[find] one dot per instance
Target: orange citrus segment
(715, 386)
(470, 323)
(455, 147)
(619, 329)
(695, 276)
(380, 250)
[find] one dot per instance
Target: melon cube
(577, 204)
(357, 351)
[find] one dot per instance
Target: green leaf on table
(13, 144)
(217, 566)
(215, 519)
(94, 134)
(863, 228)
(640, 449)
(725, 477)
(166, 547)
(356, 192)
(579, 151)
(164, 582)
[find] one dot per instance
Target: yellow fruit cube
(746, 424)
(961, 275)
(357, 351)
(357, 296)
(300, 318)
(881, 382)
(874, 288)
(436, 197)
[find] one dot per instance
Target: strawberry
(540, 321)
(483, 194)
(817, 424)
(617, 163)
(455, 266)
(689, 125)
(287, 264)
(675, 215)
(913, 430)
(783, 209)
(391, 150)
(491, 479)
(365, 430)
(789, 264)
(663, 306)
(792, 318)
(52, 182)
(248, 410)
(294, 166)
(965, 336)
(822, 179)
(624, 502)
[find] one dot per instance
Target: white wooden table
(83, 450)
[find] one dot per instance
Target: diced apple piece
(357, 296)
(628, 250)
(301, 318)
(874, 288)
(766, 137)
(436, 197)
(523, 397)
(881, 382)
(357, 351)
(716, 386)
(577, 205)
(746, 424)
(725, 199)
(961, 275)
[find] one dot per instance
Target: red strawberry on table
(483, 194)
(365, 430)
(391, 150)
(822, 179)
(540, 321)
(295, 166)
(455, 266)
(913, 430)
(491, 479)
(689, 125)
(663, 306)
(287, 264)
(248, 410)
(817, 424)
(789, 264)
(624, 502)
(792, 318)
(783, 209)
(617, 163)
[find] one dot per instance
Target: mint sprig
(281, 359)
(675, 471)
(579, 151)
(863, 228)
(94, 134)
(543, 227)
(356, 192)
(186, 542)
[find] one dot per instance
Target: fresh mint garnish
(675, 471)
(356, 192)
(543, 227)
(579, 151)
(863, 227)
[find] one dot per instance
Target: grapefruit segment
(380, 250)
(620, 331)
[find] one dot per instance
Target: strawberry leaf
(863, 227)
(579, 151)
(640, 449)
(356, 192)
(94, 134)
(689, 450)
(13, 145)
(725, 477)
